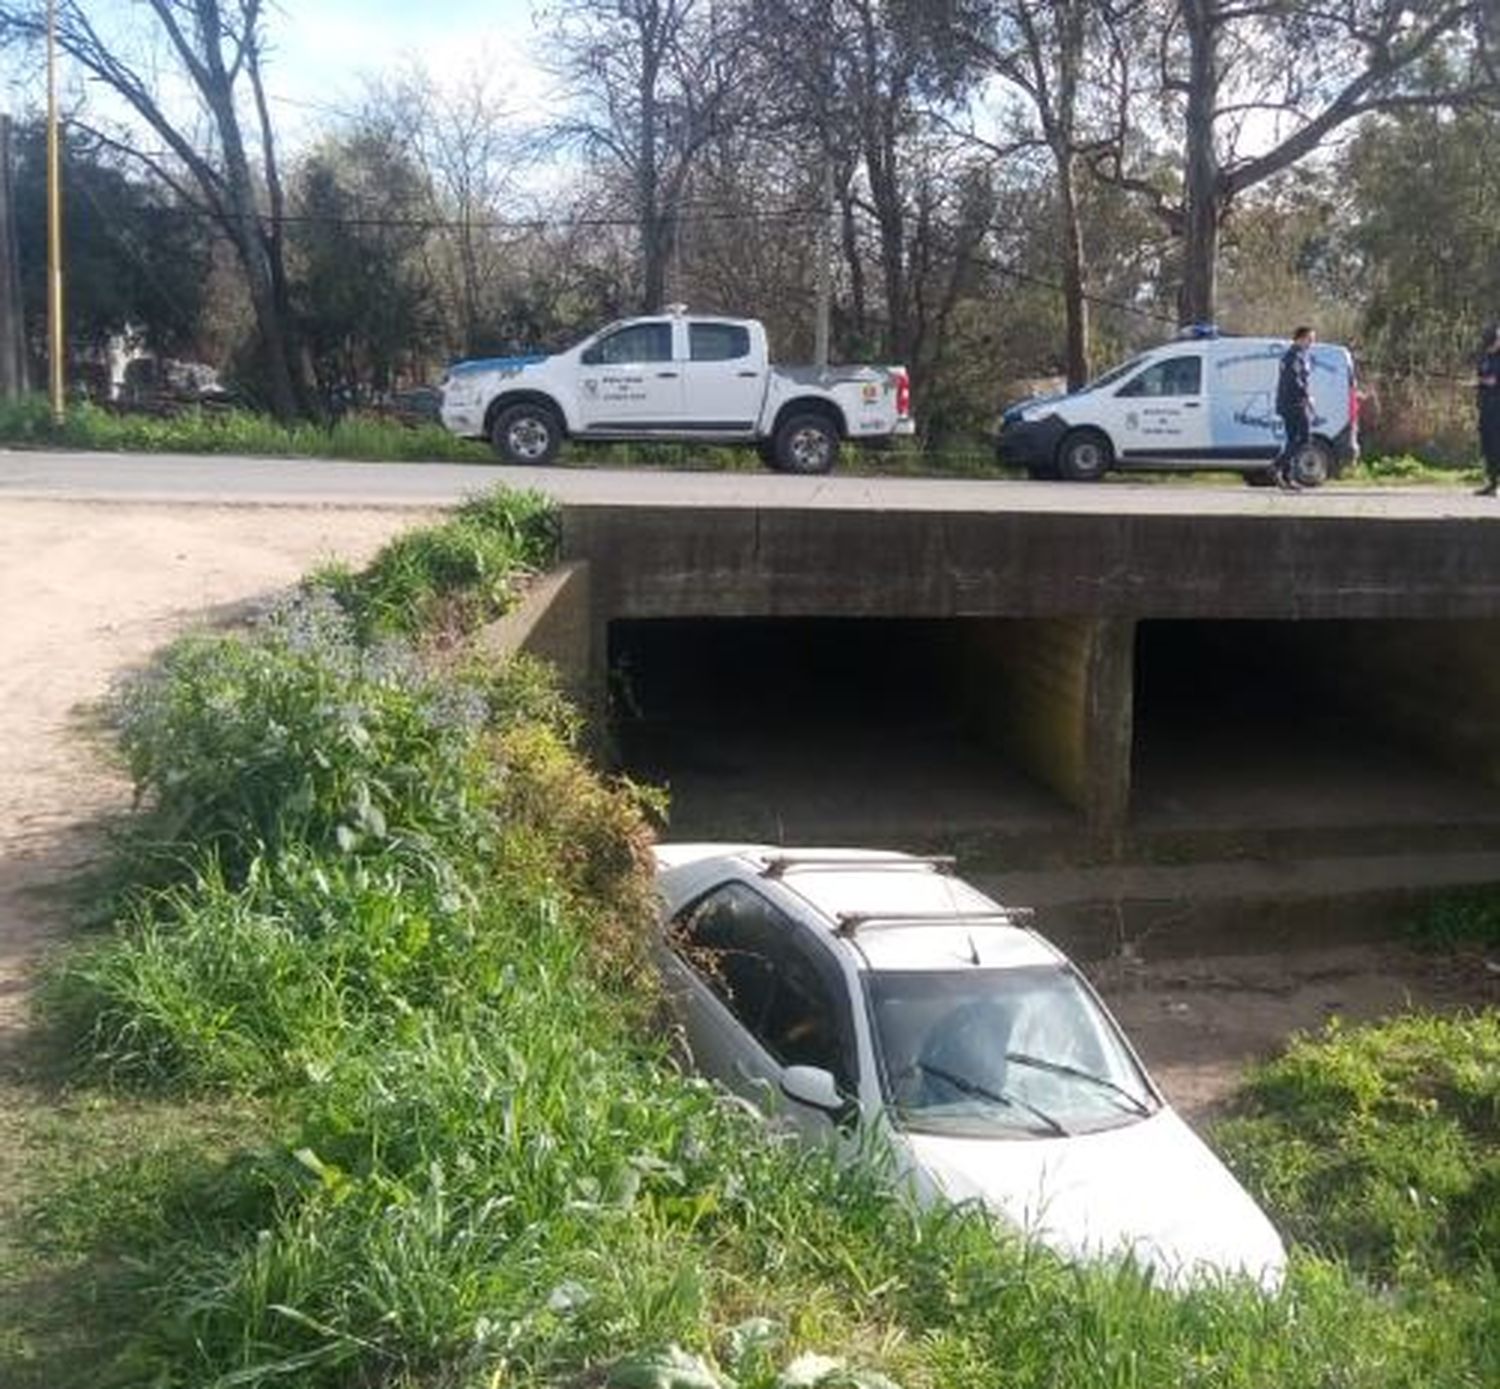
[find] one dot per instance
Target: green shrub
(1466, 917)
(451, 577)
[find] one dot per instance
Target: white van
(1203, 401)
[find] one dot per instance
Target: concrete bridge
(1132, 685)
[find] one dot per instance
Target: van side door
(1160, 413)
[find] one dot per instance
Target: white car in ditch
(676, 377)
(857, 992)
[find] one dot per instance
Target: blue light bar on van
(1198, 330)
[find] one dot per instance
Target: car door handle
(753, 375)
(1192, 405)
(667, 375)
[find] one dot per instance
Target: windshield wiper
(970, 1087)
(1134, 1102)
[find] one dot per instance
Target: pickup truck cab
(1200, 402)
(695, 378)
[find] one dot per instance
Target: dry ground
(90, 589)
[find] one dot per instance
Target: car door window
(784, 988)
(718, 342)
(640, 342)
(1172, 376)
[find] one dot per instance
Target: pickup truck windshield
(982, 1052)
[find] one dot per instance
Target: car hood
(1029, 407)
(1150, 1188)
(479, 364)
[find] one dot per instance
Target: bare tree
(1259, 85)
(1060, 62)
(652, 82)
(464, 135)
(218, 46)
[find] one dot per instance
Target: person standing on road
(1294, 403)
(1489, 411)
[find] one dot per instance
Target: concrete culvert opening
(831, 729)
(1307, 727)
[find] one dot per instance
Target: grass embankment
(364, 1089)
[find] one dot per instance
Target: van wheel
(526, 433)
(1313, 465)
(1084, 456)
(806, 444)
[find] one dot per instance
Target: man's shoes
(1287, 482)
(1488, 490)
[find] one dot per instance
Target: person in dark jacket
(1489, 411)
(1294, 403)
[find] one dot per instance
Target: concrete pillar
(1056, 695)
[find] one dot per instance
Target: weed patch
(1381, 1145)
(29, 422)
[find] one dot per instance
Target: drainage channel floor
(893, 783)
(1276, 771)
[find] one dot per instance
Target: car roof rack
(779, 865)
(850, 922)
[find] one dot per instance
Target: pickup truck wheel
(526, 434)
(806, 444)
(1084, 456)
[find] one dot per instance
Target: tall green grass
(389, 916)
(1382, 1144)
(29, 422)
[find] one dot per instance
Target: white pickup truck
(697, 378)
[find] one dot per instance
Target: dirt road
(88, 590)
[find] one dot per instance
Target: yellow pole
(55, 337)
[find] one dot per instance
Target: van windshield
(1114, 374)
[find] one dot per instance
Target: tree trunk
(1202, 179)
(1076, 306)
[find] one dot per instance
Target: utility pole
(55, 335)
(824, 254)
(12, 329)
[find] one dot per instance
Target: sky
(321, 52)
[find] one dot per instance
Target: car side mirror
(591, 357)
(814, 1087)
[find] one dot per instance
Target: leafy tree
(361, 285)
(1248, 90)
(1425, 193)
(136, 257)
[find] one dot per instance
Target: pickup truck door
(724, 377)
(630, 380)
(1161, 412)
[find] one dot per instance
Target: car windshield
(1020, 1051)
(1114, 374)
